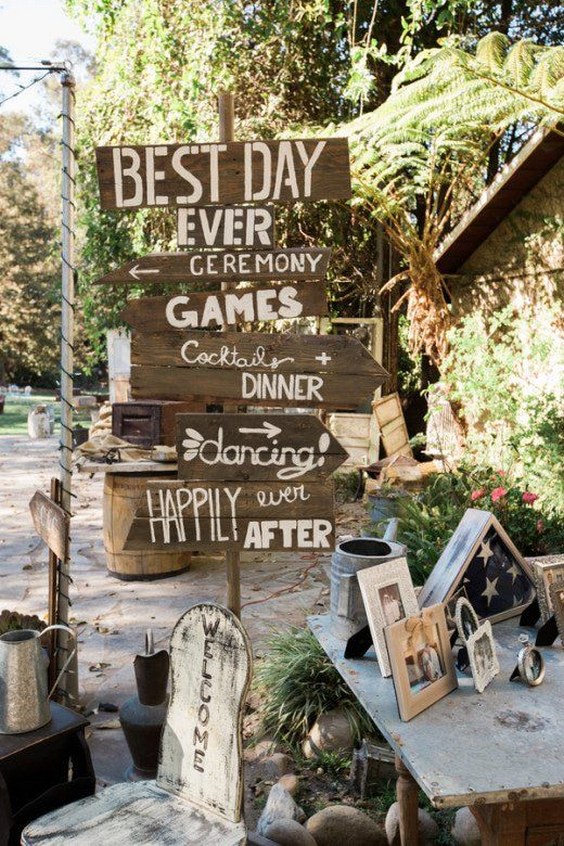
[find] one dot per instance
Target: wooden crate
(150, 422)
(358, 434)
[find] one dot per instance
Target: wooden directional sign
(320, 371)
(219, 174)
(177, 515)
(51, 523)
(222, 266)
(265, 447)
(226, 226)
(226, 308)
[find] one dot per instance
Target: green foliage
(298, 683)
(428, 520)
(509, 393)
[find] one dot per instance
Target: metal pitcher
(24, 696)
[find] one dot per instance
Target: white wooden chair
(198, 793)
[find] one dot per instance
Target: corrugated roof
(525, 170)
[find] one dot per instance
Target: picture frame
(545, 574)
(556, 593)
(467, 622)
(531, 666)
(388, 595)
(421, 659)
(483, 656)
(481, 557)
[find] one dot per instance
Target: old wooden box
(150, 422)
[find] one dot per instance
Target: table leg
(407, 794)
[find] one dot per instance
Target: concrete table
(495, 752)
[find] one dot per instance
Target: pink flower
(477, 494)
(529, 497)
(498, 493)
(500, 473)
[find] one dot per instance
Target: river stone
(331, 732)
(428, 828)
(290, 782)
(340, 824)
(465, 830)
(279, 806)
(289, 833)
(276, 765)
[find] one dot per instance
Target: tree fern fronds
(520, 62)
(491, 50)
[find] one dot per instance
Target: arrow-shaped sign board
(176, 175)
(226, 308)
(315, 371)
(176, 515)
(222, 266)
(257, 447)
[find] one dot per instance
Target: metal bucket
(347, 608)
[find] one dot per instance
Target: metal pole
(69, 682)
(226, 108)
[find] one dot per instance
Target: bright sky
(29, 30)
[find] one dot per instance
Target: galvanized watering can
(347, 608)
(24, 698)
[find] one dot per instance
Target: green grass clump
(297, 683)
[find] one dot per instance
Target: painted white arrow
(137, 271)
(267, 429)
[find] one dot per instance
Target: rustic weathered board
(222, 266)
(273, 447)
(226, 308)
(217, 174)
(51, 523)
(212, 515)
(227, 226)
(393, 431)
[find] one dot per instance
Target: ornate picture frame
(388, 595)
(556, 593)
(545, 574)
(467, 622)
(422, 663)
(483, 656)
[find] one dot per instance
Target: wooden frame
(482, 655)
(389, 596)
(421, 658)
(545, 574)
(472, 537)
(556, 593)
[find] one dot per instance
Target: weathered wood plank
(226, 308)
(217, 174)
(51, 523)
(259, 388)
(222, 266)
(265, 447)
(211, 515)
(228, 226)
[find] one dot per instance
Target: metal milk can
(24, 697)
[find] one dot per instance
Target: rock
(465, 830)
(340, 824)
(279, 806)
(290, 782)
(428, 829)
(289, 833)
(276, 765)
(330, 732)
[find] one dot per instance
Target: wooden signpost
(271, 447)
(226, 308)
(51, 523)
(218, 174)
(319, 371)
(226, 226)
(222, 266)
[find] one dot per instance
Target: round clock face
(531, 666)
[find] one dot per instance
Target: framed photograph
(466, 619)
(481, 558)
(531, 665)
(421, 660)
(545, 574)
(556, 594)
(482, 654)
(388, 595)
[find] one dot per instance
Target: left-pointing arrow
(137, 271)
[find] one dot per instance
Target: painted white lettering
(309, 162)
(289, 305)
(131, 172)
(285, 172)
(184, 173)
(185, 318)
(252, 149)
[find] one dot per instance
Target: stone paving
(112, 615)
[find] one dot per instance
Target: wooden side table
(42, 770)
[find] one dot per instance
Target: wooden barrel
(122, 494)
